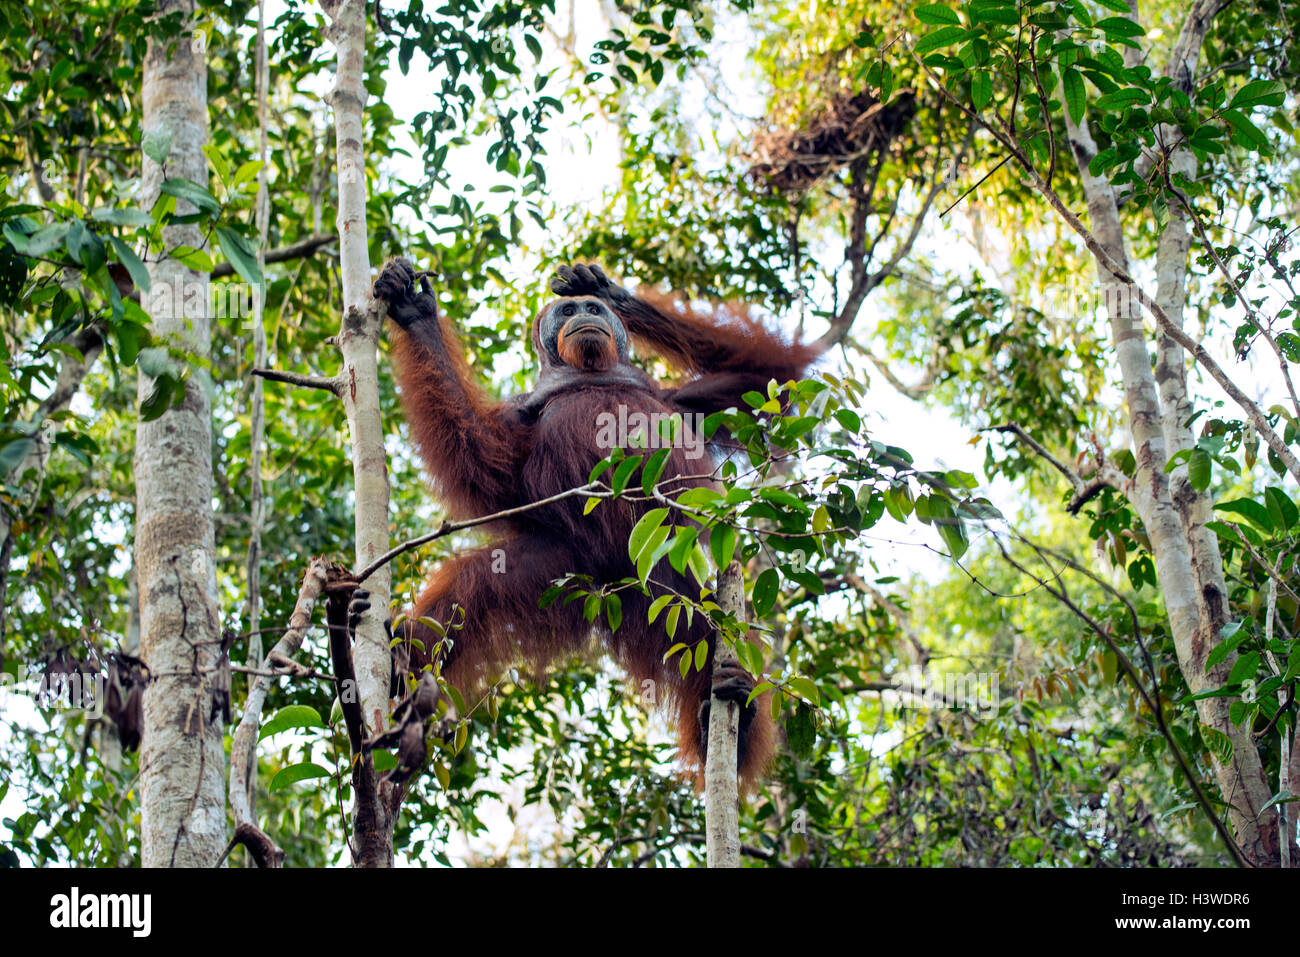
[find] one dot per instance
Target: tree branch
(328, 383)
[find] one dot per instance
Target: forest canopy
(1016, 545)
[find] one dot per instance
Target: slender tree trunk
(257, 421)
(182, 774)
(358, 341)
(721, 784)
(1186, 555)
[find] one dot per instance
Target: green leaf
(653, 469)
(944, 36)
(247, 171)
(1109, 667)
(994, 11)
(157, 144)
(1075, 98)
(46, 240)
(780, 496)
(196, 259)
(1122, 99)
(121, 217)
(1245, 668)
(654, 550)
(1249, 509)
(613, 611)
(292, 716)
(624, 472)
(960, 479)
(134, 267)
(13, 453)
(219, 162)
(1281, 797)
(936, 13)
(698, 563)
(951, 528)
(898, 502)
(1281, 509)
(683, 542)
(849, 419)
(722, 544)
(191, 192)
(1248, 135)
(1120, 27)
(1198, 469)
(1233, 635)
(1217, 742)
(701, 655)
(295, 773)
(765, 591)
(643, 531)
(240, 254)
(805, 688)
(658, 605)
(1258, 93)
(800, 731)
(981, 89)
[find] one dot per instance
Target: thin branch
(327, 383)
(980, 182)
(1086, 488)
(446, 528)
(1130, 671)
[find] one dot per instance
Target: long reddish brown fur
(486, 456)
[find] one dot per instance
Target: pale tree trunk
(1188, 565)
(182, 773)
(1173, 248)
(721, 785)
(358, 341)
(257, 416)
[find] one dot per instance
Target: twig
(1135, 679)
(446, 528)
(1085, 488)
(1002, 162)
(329, 384)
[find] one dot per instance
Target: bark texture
(1187, 559)
(182, 768)
(721, 780)
(358, 341)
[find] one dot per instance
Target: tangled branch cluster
(849, 126)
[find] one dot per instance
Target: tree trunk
(182, 770)
(721, 784)
(358, 341)
(1190, 577)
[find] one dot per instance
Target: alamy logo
(76, 910)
